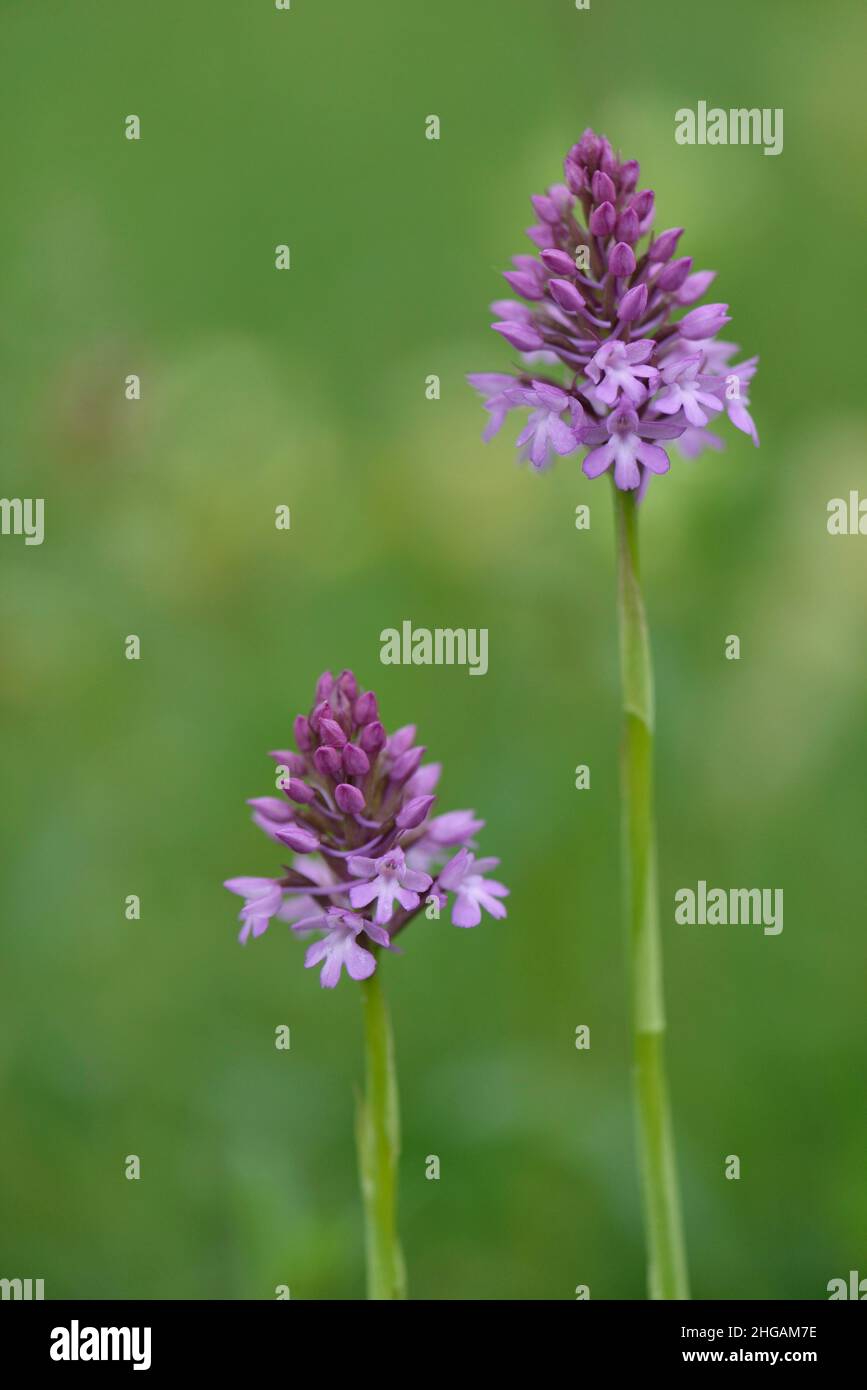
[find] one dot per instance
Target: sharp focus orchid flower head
(368, 854)
(607, 351)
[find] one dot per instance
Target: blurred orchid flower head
(368, 854)
(612, 357)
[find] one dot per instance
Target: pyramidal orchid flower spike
(613, 360)
(370, 852)
(619, 360)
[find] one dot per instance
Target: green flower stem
(378, 1134)
(667, 1276)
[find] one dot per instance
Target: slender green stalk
(378, 1134)
(666, 1275)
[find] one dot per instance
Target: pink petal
(653, 457)
(331, 969)
(363, 893)
(466, 912)
(359, 963)
(598, 460)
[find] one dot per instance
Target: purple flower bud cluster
(607, 307)
(368, 856)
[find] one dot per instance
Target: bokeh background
(307, 388)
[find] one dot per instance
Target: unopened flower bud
(603, 220)
(303, 736)
(633, 304)
(319, 712)
(558, 262)
(331, 733)
(675, 273)
(327, 761)
(662, 248)
(298, 791)
(566, 295)
(365, 710)
(414, 812)
(643, 204)
(522, 282)
(629, 171)
(575, 179)
(349, 799)
(324, 686)
(521, 335)
(355, 760)
(602, 188)
(298, 838)
(373, 737)
(348, 684)
(545, 209)
(627, 227)
(703, 322)
(621, 259)
(406, 764)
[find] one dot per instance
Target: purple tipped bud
(271, 808)
(331, 733)
(662, 248)
(327, 761)
(566, 295)
(348, 684)
(523, 283)
(574, 175)
(603, 220)
(629, 172)
(627, 226)
(703, 322)
(559, 262)
(355, 760)
(588, 149)
(521, 335)
(303, 736)
(365, 710)
(541, 236)
(621, 259)
(349, 799)
(321, 711)
(373, 737)
(324, 686)
(675, 273)
(406, 764)
(695, 286)
(642, 204)
(545, 209)
(561, 198)
(297, 838)
(633, 304)
(414, 812)
(296, 790)
(602, 188)
(294, 761)
(402, 739)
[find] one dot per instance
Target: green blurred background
(307, 388)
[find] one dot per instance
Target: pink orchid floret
(388, 878)
(464, 876)
(688, 389)
(619, 367)
(339, 947)
(625, 443)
